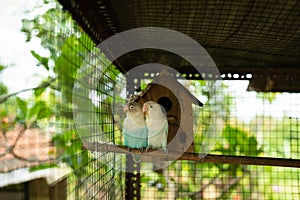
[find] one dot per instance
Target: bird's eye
(131, 107)
(151, 106)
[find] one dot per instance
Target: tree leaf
(253, 150)
(3, 89)
(267, 96)
(38, 111)
(43, 166)
(23, 109)
(39, 91)
(42, 60)
(2, 67)
(45, 112)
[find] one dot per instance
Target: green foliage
(72, 151)
(49, 27)
(30, 115)
(239, 142)
(70, 60)
(68, 51)
(22, 105)
(43, 166)
(39, 91)
(2, 67)
(284, 133)
(267, 96)
(3, 87)
(5, 122)
(42, 60)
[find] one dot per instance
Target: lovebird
(134, 128)
(157, 125)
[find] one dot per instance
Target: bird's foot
(148, 147)
(128, 149)
(142, 149)
(166, 150)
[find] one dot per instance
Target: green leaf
(23, 109)
(85, 39)
(253, 147)
(43, 86)
(3, 89)
(42, 60)
(43, 166)
(33, 113)
(2, 67)
(39, 91)
(45, 113)
(267, 96)
(240, 140)
(39, 111)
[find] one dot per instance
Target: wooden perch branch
(209, 158)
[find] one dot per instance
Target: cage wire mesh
(94, 175)
(256, 124)
(25, 146)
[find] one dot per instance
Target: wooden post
(133, 179)
(59, 190)
(38, 189)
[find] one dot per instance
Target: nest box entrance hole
(166, 103)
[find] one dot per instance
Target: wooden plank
(38, 189)
(59, 190)
(133, 179)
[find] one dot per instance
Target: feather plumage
(134, 129)
(157, 125)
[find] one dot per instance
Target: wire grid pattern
(95, 175)
(256, 124)
(189, 180)
(100, 180)
(213, 22)
(271, 132)
(242, 35)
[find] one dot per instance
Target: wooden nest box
(177, 101)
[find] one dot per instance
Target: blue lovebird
(134, 128)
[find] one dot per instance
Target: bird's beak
(145, 108)
(126, 108)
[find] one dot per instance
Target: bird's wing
(165, 134)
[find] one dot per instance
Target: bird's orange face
(126, 108)
(147, 106)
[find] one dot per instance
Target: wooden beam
(201, 158)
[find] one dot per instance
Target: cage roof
(261, 38)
